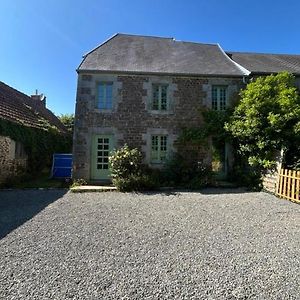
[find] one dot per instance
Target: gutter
(156, 73)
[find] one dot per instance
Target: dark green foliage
(292, 158)
(127, 171)
(245, 175)
(267, 119)
(68, 121)
(139, 182)
(183, 173)
(213, 125)
(39, 144)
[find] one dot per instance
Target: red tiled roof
(22, 109)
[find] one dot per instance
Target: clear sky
(42, 41)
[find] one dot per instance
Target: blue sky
(42, 42)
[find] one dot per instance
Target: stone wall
(132, 121)
(10, 166)
(270, 179)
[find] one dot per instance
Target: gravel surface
(209, 245)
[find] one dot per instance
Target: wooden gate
(289, 185)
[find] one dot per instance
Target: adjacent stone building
(16, 107)
(143, 91)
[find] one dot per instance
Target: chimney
(39, 98)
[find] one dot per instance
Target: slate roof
(146, 54)
(262, 63)
(22, 109)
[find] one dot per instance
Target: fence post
(298, 186)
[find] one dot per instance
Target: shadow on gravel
(19, 206)
(210, 191)
(205, 191)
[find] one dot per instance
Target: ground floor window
(159, 148)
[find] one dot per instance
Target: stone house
(16, 107)
(143, 90)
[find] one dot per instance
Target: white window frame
(107, 103)
(217, 100)
(159, 100)
(159, 156)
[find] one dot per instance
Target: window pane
(154, 143)
(163, 143)
(155, 97)
(158, 148)
(101, 90)
(219, 97)
(214, 103)
(159, 97)
(105, 95)
(163, 99)
(222, 98)
(109, 91)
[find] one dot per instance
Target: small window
(19, 150)
(159, 148)
(219, 97)
(159, 97)
(104, 100)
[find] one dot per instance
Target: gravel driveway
(209, 245)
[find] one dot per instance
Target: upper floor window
(105, 95)
(219, 97)
(159, 148)
(159, 97)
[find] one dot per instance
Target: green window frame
(219, 97)
(159, 148)
(159, 97)
(105, 96)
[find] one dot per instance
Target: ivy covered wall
(39, 144)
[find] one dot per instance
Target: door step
(92, 188)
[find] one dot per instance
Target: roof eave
(269, 73)
(156, 73)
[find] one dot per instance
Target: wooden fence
(289, 185)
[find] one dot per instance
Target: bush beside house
(129, 174)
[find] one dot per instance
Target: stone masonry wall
(131, 120)
(9, 165)
(270, 179)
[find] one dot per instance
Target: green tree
(267, 118)
(68, 121)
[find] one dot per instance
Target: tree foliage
(267, 118)
(68, 121)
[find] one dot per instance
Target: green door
(102, 145)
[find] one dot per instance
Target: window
(19, 150)
(159, 148)
(159, 97)
(105, 95)
(219, 97)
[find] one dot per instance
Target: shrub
(141, 182)
(184, 173)
(127, 171)
(125, 162)
(78, 182)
